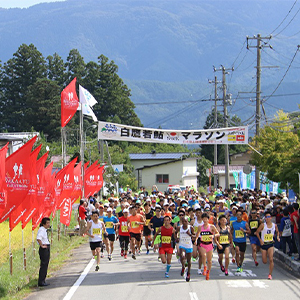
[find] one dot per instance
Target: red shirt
(166, 236)
(123, 227)
(82, 212)
(295, 213)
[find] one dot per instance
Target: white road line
(193, 296)
(78, 282)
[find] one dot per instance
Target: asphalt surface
(143, 278)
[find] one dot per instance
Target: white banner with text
(118, 132)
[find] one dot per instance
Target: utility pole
(215, 126)
(258, 47)
(224, 72)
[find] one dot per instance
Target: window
(162, 178)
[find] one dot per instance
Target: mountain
(166, 49)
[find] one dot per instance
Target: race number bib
(147, 222)
(96, 231)
(134, 225)
(206, 238)
(268, 238)
(165, 239)
(109, 224)
(124, 228)
(253, 224)
(196, 229)
(224, 239)
(239, 234)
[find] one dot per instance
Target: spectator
(295, 222)
(286, 232)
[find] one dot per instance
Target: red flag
(69, 103)
(23, 212)
(77, 191)
(64, 184)
(18, 177)
(66, 211)
(90, 179)
(3, 187)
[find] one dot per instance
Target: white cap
(125, 211)
(166, 203)
(206, 206)
(196, 206)
(109, 209)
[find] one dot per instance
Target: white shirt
(42, 235)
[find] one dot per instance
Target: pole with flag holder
(24, 251)
(33, 244)
(10, 254)
(82, 145)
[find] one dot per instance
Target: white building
(163, 169)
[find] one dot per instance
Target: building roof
(143, 156)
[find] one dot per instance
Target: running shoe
(102, 255)
(238, 269)
(270, 277)
(205, 271)
(129, 251)
(226, 272)
(182, 271)
(199, 272)
(222, 268)
(188, 277)
(194, 259)
(133, 256)
(149, 244)
(167, 275)
(97, 268)
(139, 252)
(186, 264)
(159, 258)
(256, 263)
(177, 256)
(122, 252)
(94, 256)
(147, 252)
(233, 261)
(109, 257)
(125, 256)
(207, 275)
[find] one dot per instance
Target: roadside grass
(21, 283)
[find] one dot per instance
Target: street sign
(118, 168)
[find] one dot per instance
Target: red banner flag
(77, 191)
(18, 177)
(23, 211)
(64, 184)
(3, 187)
(93, 181)
(69, 103)
(66, 211)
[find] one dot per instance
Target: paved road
(144, 279)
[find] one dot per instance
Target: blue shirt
(193, 202)
(109, 224)
(238, 235)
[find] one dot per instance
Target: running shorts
(94, 245)
(242, 246)
(165, 250)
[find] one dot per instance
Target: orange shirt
(134, 227)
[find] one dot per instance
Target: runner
(110, 222)
(155, 223)
(146, 230)
(239, 228)
(124, 233)
(135, 223)
(186, 232)
(254, 223)
(207, 231)
(267, 231)
(165, 249)
(223, 243)
(196, 249)
(94, 231)
(231, 218)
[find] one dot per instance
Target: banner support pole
(10, 255)
(33, 247)
(82, 146)
(24, 251)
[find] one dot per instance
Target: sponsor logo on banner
(109, 130)
(172, 136)
(17, 183)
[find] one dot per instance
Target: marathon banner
(118, 132)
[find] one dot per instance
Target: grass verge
(21, 283)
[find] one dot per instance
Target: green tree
(280, 148)
(75, 66)
(43, 108)
(202, 165)
(56, 69)
(18, 73)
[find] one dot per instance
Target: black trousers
(45, 257)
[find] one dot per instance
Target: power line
(284, 17)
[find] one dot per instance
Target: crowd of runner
(192, 226)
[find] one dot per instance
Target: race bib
(147, 222)
(109, 224)
(185, 240)
(224, 239)
(196, 229)
(124, 228)
(239, 234)
(268, 237)
(96, 231)
(134, 224)
(206, 238)
(166, 239)
(253, 224)
(156, 229)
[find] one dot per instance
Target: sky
(22, 3)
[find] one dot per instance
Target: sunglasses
(267, 217)
(180, 215)
(253, 213)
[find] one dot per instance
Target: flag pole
(33, 247)
(10, 255)
(82, 145)
(24, 251)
